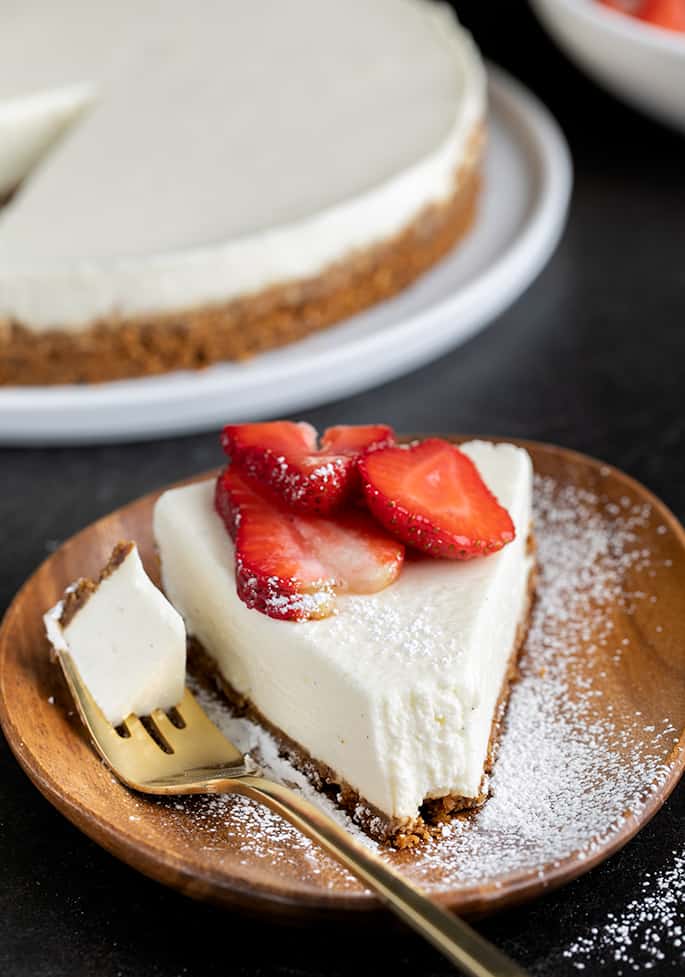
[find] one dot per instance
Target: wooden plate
(591, 749)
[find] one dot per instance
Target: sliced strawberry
(431, 496)
(275, 572)
(291, 566)
(283, 456)
(354, 439)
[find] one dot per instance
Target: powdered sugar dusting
(649, 929)
(572, 766)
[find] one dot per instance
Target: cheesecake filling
(125, 638)
(398, 691)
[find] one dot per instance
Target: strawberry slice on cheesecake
(431, 495)
(291, 566)
(284, 457)
(385, 676)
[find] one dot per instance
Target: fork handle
(449, 934)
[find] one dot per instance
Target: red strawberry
(283, 456)
(669, 14)
(355, 439)
(431, 496)
(290, 566)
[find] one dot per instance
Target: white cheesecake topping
(127, 642)
(228, 149)
(397, 691)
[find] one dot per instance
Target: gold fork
(192, 756)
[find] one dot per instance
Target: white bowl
(642, 64)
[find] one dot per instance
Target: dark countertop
(590, 357)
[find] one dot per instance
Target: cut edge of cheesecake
(401, 833)
(47, 117)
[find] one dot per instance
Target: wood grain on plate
(183, 851)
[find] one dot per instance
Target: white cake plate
(522, 213)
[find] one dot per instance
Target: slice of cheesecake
(125, 638)
(396, 698)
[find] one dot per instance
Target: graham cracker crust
(399, 833)
(142, 345)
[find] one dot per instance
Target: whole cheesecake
(186, 185)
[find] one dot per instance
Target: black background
(590, 357)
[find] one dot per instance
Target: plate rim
(484, 297)
(236, 892)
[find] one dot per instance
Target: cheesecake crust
(143, 345)
(398, 833)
